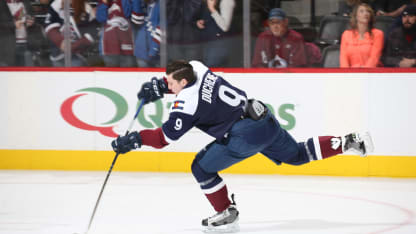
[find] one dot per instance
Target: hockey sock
(212, 185)
(219, 199)
(327, 146)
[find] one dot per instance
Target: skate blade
(228, 228)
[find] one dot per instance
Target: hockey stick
(112, 165)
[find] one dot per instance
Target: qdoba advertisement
(86, 110)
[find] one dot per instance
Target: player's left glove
(153, 90)
(126, 143)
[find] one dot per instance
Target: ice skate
(359, 143)
(223, 222)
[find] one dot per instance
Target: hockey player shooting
(241, 127)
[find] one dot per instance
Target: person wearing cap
(362, 44)
(400, 49)
(279, 46)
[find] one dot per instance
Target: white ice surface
(57, 202)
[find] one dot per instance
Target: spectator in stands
(279, 46)
(259, 13)
(116, 43)
(16, 27)
(390, 8)
(214, 23)
(183, 41)
(146, 18)
(400, 49)
(81, 18)
(345, 7)
(362, 45)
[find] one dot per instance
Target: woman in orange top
(362, 45)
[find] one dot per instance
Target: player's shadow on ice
(279, 226)
(306, 224)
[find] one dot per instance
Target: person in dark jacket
(389, 7)
(400, 49)
(183, 41)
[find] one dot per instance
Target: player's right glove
(153, 90)
(124, 144)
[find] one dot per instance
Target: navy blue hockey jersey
(210, 103)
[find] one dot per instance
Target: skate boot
(359, 143)
(223, 222)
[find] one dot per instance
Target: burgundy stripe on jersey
(154, 138)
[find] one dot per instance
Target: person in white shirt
(215, 24)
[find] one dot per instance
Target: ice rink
(61, 202)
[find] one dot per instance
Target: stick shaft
(102, 190)
(111, 167)
(135, 116)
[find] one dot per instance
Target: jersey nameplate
(208, 87)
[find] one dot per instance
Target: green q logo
(68, 115)
(156, 118)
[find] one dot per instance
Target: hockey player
(241, 127)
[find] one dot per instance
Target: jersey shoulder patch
(187, 100)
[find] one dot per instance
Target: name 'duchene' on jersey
(208, 87)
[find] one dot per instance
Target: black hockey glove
(124, 144)
(153, 90)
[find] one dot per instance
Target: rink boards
(66, 119)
